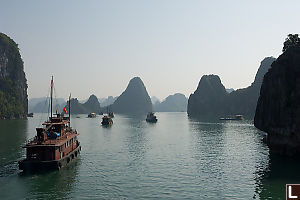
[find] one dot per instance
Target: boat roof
(56, 123)
(52, 142)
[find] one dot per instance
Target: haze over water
(176, 158)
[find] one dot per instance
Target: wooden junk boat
(54, 146)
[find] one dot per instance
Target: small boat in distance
(106, 121)
(92, 115)
(30, 115)
(151, 118)
(111, 114)
(236, 117)
(54, 146)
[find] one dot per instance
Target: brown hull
(34, 165)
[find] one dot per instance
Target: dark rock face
(76, 107)
(173, 103)
(212, 100)
(13, 83)
(278, 107)
(134, 100)
(207, 99)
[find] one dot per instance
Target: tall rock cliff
(13, 83)
(134, 100)
(278, 107)
(208, 99)
(211, 99)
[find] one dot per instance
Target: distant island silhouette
(173, 103)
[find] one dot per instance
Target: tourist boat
(151, 117)
(54, 146)
(30, 115)
(92, 115)
(106, 121)
(236, 117)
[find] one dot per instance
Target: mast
(51, 96)
(70, 110)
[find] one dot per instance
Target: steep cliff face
(173, 103)
(134, 100)
(243, 101)
(13, 84)
(211, 99)
(278, 107)
(208, 98)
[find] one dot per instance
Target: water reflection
(208, 149)
(53, 184)
(136, 136)
(272, 178)
(13, 134)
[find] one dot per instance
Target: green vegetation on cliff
(13, 84)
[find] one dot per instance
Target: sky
(96, 47)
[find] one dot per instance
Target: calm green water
(176, 158)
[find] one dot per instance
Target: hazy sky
(98, 46)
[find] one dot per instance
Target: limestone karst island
(149, 100)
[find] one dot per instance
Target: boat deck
(51, 142)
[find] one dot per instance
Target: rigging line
(56, 102)
(44, 108)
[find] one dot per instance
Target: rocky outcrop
(208, 99)
(278, 106)
(212, 100)
(134, 100)
(173, 103)
(13, 83)
(92, 105)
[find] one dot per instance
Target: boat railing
(50, 141)
(30, 140)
